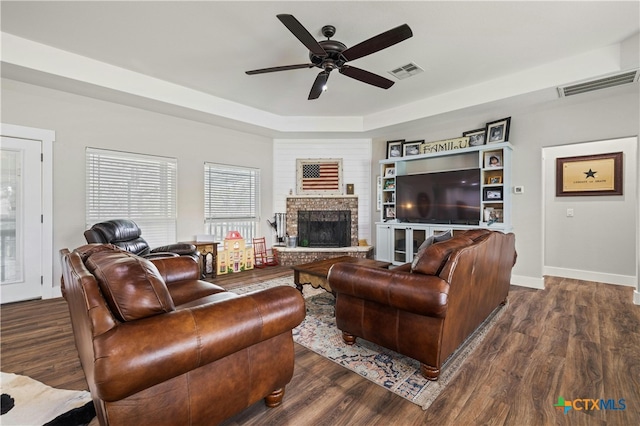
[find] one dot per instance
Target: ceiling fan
(332, 54)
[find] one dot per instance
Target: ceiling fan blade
(302, 34)
(377, 43)
(282, 68)
(366, 76)
(318, 85)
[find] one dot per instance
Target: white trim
(636, 297)
(47, 137)
(600, 277)
(23, 59)
(531, 282)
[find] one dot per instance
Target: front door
(20, 219)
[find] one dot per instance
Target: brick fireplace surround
(290, 256)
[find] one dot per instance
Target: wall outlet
(518, 189)
(569, 212)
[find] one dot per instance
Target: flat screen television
(451, 197)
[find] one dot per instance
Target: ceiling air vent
(406, 71)
(600, 83)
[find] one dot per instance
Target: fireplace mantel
(323, 197)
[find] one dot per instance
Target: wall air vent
(405, 71)
(600, 83)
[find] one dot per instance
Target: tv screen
(444, 197)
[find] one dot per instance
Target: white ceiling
(207, 45)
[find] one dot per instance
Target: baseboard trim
(600, 277)
(531, 282)
(52, 293)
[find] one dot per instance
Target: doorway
(591, 238)
(25, 241)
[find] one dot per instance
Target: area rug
(396, 373)
(307, 290)
(28, 402)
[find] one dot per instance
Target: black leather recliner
(126, 234)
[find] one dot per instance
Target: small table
(207, 248)
(315, 273)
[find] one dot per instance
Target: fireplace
(326, 206)
(322, 228)
(339, 203)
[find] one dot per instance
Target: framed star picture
(589, 175)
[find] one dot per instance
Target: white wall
(80, 122)
(604, 114)
(575, 246)
(356, 169)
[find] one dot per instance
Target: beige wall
(80, 122)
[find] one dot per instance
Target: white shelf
(503, 150)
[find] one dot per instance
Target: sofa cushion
(87, 250)
(132, 285)
(431, 260)
(444, 236)
(475, 234)
(426, 243)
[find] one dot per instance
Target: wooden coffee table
(315, 273)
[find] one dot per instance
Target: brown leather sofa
(425, 310)
(159, 346)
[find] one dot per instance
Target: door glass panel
(399, 245)
(11, 259)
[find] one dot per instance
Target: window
(231, 200)
(133, 186)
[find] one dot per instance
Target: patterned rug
(397, 373)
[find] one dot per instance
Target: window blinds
(133, 186)
(232, 200)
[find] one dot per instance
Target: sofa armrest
(416, 293)
(179, 248)
(177, 268)
(139, 354)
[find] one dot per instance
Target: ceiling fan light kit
(329, 55)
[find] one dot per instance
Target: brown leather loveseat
(159, 347)
(426, 309)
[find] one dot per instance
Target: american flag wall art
(320, 176)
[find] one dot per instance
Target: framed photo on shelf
(390, 172)
(390, 213)
(411, 148)
(599, 174)
(394, 148)
(498, 131)
(492, 194)
(492, 159)
(489, 214)
(389, 184)
(494, 180)
(476, 137)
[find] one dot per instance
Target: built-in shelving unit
(398, 242)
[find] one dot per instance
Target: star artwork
(590, 173)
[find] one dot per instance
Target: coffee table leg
(296, 280)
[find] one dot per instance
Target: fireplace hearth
(322, 228)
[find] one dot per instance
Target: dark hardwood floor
(574, 339)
